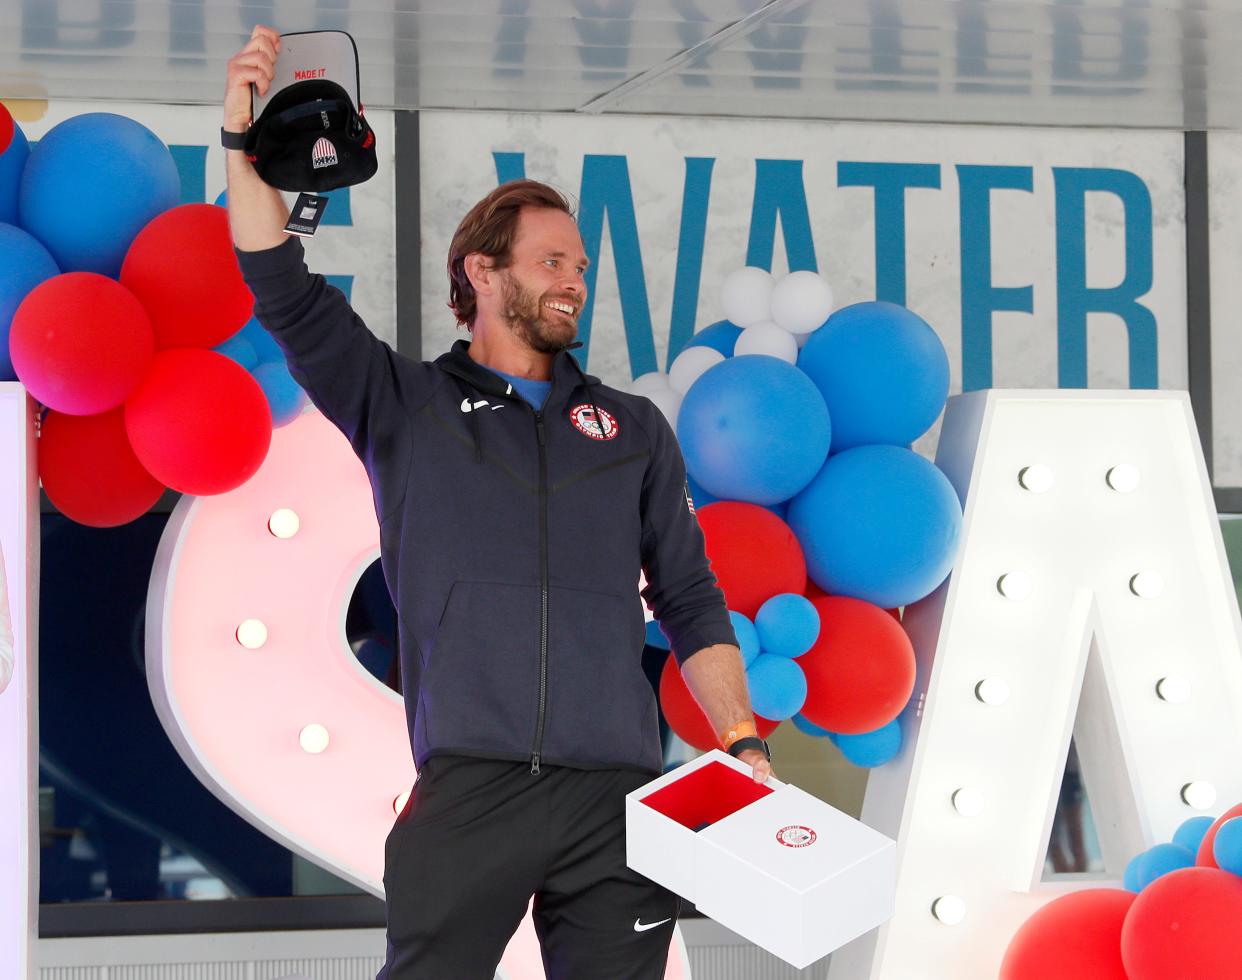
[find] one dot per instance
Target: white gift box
(769, 861)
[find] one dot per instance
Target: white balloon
(668, 402)
(689, 364)
(645, 384)
(767, 338)
(746, 296)
(802, 338)
(801, 301)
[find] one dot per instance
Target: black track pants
(479, 837)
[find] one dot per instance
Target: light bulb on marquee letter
(968, 801)
(1199, 795)
(284, 523)
(1147, 584)
(1123, 478)
(1036, 478)
(992, 691)
(251, 633)
(949, 909)
(1173, 689)
(1014, 585)
(314, 739)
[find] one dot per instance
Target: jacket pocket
(601, 708)
(480, 686)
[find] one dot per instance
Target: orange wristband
(742, 729)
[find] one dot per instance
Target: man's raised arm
(257, 212)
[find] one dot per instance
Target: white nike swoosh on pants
(643, 927)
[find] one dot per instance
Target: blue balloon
(883, 373)
(222, 199)
(872, 749)
(1130, 880)
(656, 637)
(90, 186)
(1191, 833)
(700, 496)
(285, 397)
(753, 428)
(1227, 847)
(878, 523)
(810, 728)
(1160, 860)
(788, 625)
(747, 638)
(24, 263)
(12, 164)
(777, 687)
(721, 336)
(239, 350)
(265, 348)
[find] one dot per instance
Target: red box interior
(708, 794)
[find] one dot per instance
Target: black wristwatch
(750, 742)
(232, 141)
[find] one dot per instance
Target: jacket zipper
(543, 592)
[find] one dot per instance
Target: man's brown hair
(489, 228)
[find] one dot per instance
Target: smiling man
(519, 500)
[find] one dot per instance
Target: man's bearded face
(536, 323)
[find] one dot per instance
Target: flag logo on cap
(323, 154)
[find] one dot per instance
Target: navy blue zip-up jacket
(511, 539)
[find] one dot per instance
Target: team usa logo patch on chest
(584, 420)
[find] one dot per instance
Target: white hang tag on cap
(307, 212)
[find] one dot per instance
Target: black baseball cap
(309, 133)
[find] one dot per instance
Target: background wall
(1042, 257)
(1225, 230)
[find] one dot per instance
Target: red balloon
(1183, 926)
(753, 553)
(80, 342)
(686, 718)
(199, 422)
(182, 267)
(6, 127)
(1205, 858)
(1074, 937)
(90, 472)
(860, 672)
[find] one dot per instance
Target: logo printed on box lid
(795, 835)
